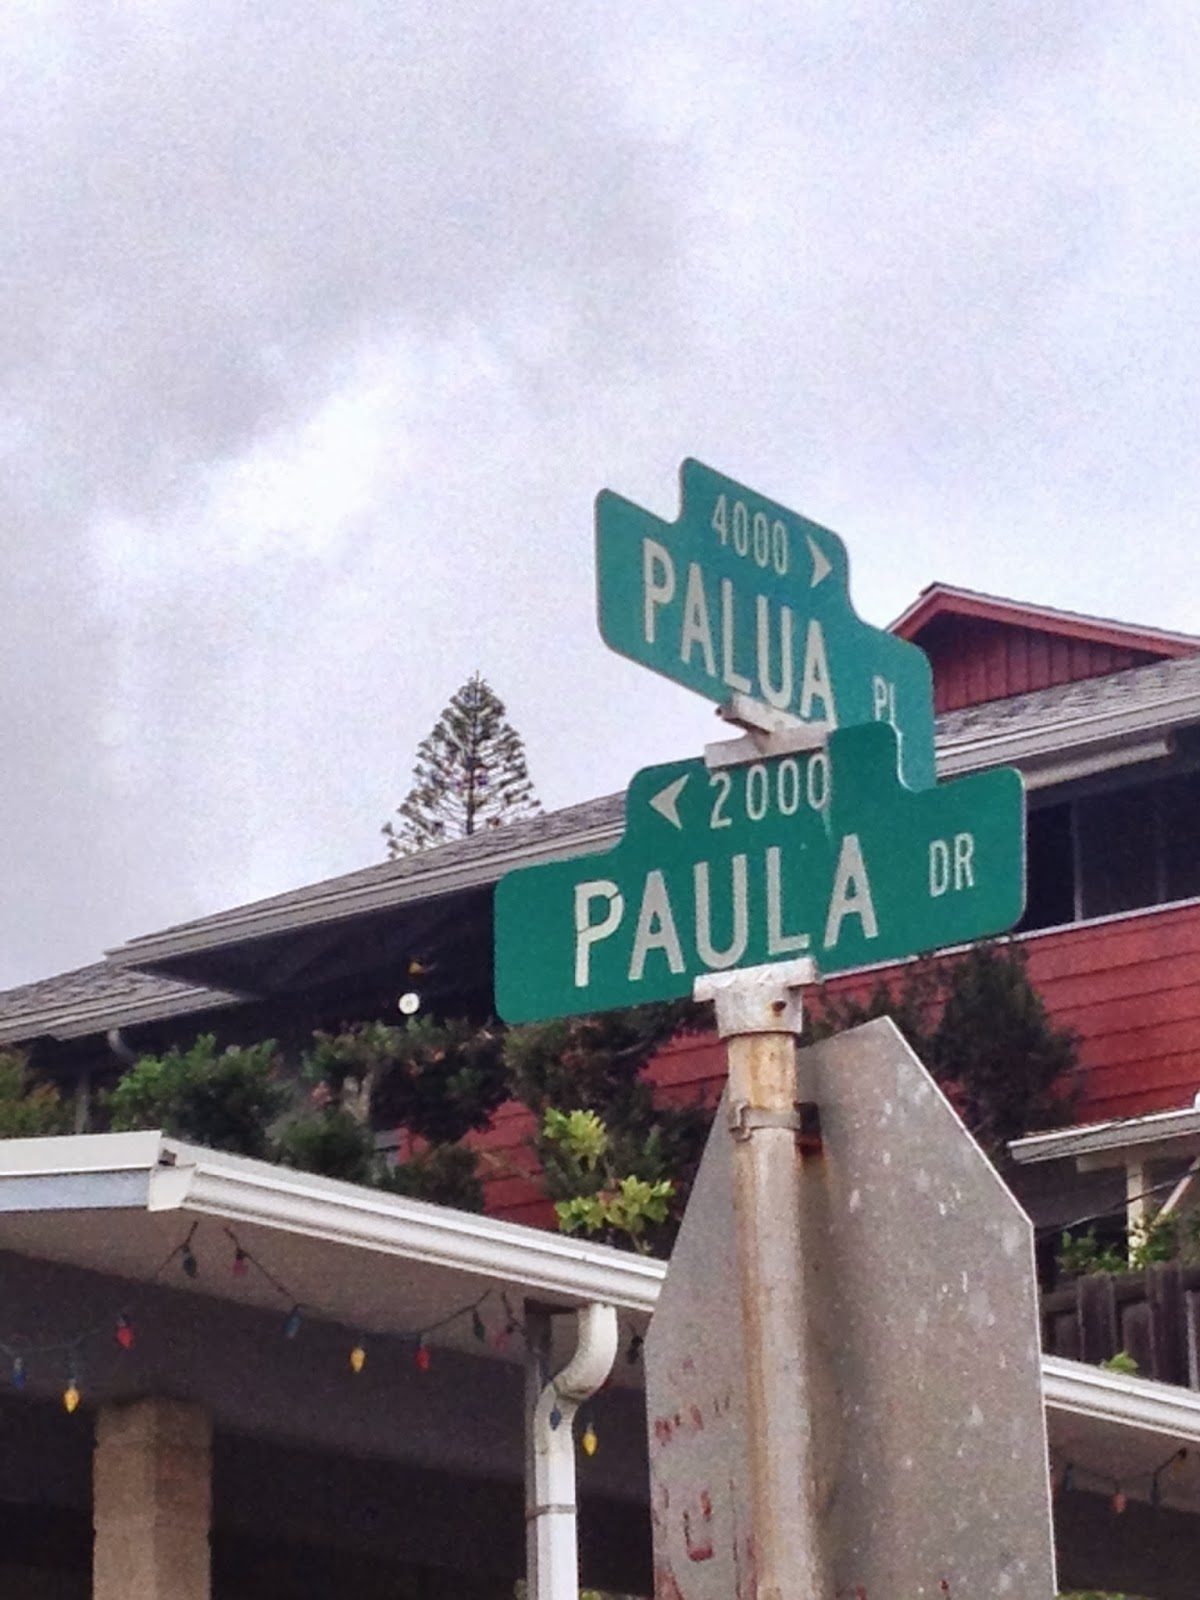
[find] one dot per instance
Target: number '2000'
(784, 787)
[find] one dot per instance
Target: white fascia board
(1128, 1134)
(74, 1173)
(1075, 1389)
(71, 1154)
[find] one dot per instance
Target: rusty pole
(759, 1015)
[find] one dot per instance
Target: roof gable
(985, 647)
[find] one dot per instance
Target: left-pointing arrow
(666, 801)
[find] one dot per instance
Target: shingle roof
(1091, 714)
(95, 998)
(1070, 717)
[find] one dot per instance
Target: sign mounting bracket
(767, 733)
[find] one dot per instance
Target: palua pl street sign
(920, 1350)
(740, 596)
(825, 855)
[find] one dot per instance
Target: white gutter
(163, 1174)
(345, 1213)
(555, 1544)
(1044, 772)
(65, 1155)
(1077, 1390)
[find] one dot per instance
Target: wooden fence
(1152, 1315)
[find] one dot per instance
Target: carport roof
(118, 1204)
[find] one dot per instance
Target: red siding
(1129, 986)
(975, 660)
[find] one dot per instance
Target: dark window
(1117, 851)
(1117, 838)
(1181, 836)
(1050, 874)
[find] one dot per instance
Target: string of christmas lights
(19, 1352)
(1072, 1472)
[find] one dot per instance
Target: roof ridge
(938, 590)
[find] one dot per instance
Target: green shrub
(1172, 1238)
(331, 1142)
(225, 1099)
(982, 1029)
(29, 1109)
(447, 1174)
(600, 1195)
(439, 1080)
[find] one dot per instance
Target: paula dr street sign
(742, 597)
(827, 855)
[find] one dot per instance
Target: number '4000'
(752, 533)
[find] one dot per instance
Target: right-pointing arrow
(822, 566)
(666, 801)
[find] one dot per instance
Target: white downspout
(555, 1574)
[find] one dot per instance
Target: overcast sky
(323, 323)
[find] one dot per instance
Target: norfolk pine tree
(470, 774)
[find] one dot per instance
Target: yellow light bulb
(71, 1396)
(358, 1358)
(589, 1441)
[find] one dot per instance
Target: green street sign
(827, 855)
(742, 596)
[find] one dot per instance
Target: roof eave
(356, 900)
(1047, 754)
(1061, 1144)
(1070, 738)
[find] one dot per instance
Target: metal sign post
(758, 1015)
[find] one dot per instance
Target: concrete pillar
(152, 1502)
